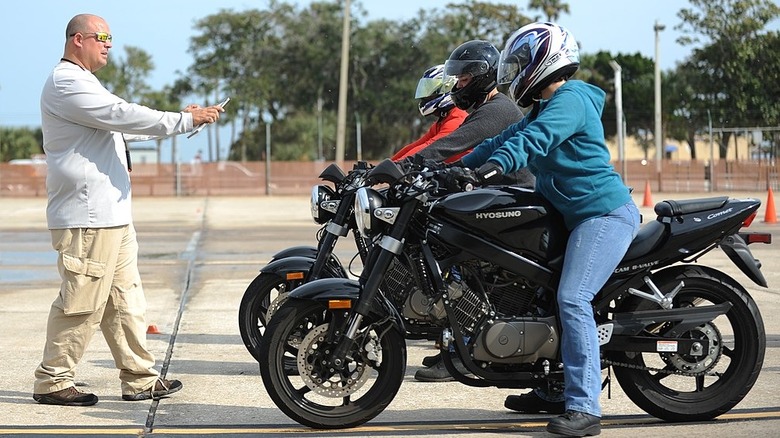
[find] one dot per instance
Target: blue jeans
(594, 250)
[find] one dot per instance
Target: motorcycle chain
(657, 370)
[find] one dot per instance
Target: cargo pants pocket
(83, 288)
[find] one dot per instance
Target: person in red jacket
(433, 92)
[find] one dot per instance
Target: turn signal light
(294, 276)
(339, 304)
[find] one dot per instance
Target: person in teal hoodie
(561, 141)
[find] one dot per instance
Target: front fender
(326, 289)
(296, 251)
(302, 265)
(289, 266)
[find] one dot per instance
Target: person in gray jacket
(475, 65)
(85, 130)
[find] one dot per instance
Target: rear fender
(735, 247)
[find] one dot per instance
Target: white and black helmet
(534, 56)
(433, 91)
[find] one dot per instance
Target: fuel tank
(518, 219)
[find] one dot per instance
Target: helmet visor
(428, 87)
(510, 65)
(457, 67)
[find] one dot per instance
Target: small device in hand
(200, 127)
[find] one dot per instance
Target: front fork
(379, 259)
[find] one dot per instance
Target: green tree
(733, 46)
(19, 143)
(126, 77)
(494, 22)
(551, 9)
(638, 88)
(242, 53)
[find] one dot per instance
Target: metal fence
(297, 178)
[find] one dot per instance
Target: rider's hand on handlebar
(490, 171)
(460, 178)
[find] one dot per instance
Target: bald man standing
(85, 130)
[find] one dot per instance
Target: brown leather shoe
(69, 396)
(160, 388)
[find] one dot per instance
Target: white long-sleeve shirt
(83, 124)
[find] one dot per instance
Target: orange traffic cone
(152, 330)
(770, 216)
(648, 201)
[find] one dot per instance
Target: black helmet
(480, 59)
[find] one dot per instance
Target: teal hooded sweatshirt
(562, 142)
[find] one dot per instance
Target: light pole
(319, 129)
(619, 116)
(658, 134)
(341, 123)
(268, 120)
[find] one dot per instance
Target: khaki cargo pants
(101, 287)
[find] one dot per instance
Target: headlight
(323, 205)
(366, 201)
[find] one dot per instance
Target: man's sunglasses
(100, 36)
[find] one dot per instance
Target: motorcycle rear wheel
(727, 372)
(342, 400)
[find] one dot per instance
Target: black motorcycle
(686, 342)
(331, 207)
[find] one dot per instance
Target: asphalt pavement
(197, 256)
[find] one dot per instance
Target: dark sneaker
(159, 389)
(531, 403)
(69, 396)
(429, 361)
(438, 372)
(574, 423)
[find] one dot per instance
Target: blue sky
(33, 35)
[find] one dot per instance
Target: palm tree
(552, 9)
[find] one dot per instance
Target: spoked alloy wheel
(260, 301)
(686, 387)
(321, 397)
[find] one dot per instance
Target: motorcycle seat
(671, 207)
(647, 239)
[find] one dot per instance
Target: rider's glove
(490, 171)
(432, 164)
(407, 164)
(460, 178)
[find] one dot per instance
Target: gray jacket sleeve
(488, 120)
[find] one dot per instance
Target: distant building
(143, 154)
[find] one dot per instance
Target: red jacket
(441, 128)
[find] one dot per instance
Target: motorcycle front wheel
(317, 396)
(687, 387)
(261, 299)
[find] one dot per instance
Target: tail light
(749, 220)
